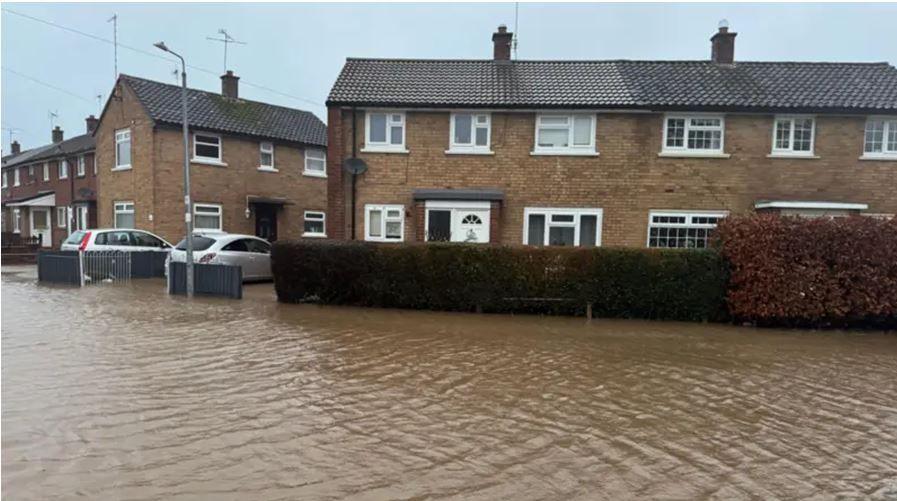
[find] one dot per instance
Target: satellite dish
(355, 166)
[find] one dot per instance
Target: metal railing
(105, 266)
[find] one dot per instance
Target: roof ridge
(568, 61)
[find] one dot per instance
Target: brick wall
(155, 182)
(627, 179)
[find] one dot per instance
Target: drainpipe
(354, 175)
(69, 211)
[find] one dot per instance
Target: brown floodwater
(121, 392)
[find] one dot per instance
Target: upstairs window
(384, 223)
(123, 214)
(565, 134)
(46, 171)
(82, 168)
(206, 147)
(469, 133)
(266, 156)
(698, 135)
(63, 169)
(5, 180)
(880, 138)
(315, 162)
(15, 177)
(682, 230)
(123, 149)
(793, 136)
(385, 131)
(207, 217)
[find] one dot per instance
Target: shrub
(811, 272)
(632, 283)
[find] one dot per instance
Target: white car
(114, 240)
(250, 253)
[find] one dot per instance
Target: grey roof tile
(75, 145)
(211, 111)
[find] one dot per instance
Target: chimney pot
(501, 41)
(92, 123)
(15, 147)
(722, 45)
(229, 85)
(57, 134)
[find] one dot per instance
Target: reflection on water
(122, 392)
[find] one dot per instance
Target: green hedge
(630, 283)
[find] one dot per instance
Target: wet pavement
(121, 392)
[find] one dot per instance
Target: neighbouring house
(256, 168)
(50, 191)
(618, 153)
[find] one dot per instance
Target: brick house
(50, 191)
(256, 168)
(615, 153)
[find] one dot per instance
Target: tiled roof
(73, 146)
(617, 84)
(211, 111)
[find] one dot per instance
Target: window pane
(536, 231)
(462, 129)
(482, 136)
(207, 221)
(393, 229)
(313, 224)
(582, 130)
(214, 140)
(267, 160)
(675, 132)
(375, 223)
(892, 136)
(548, 120)
(783, 134)
(553, 138)
(314, 165)
(704, 139)
(874, 136)
(588, 229)
(803, 134)
(562, 218)
(207, 151)
(395, 134)
(561, 235)
(124, 220)
(378, 128)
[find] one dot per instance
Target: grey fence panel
(59, 267)
(150, 264)
(208, 280)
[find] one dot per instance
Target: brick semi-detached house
(619, 153)
(256, 168)
(50, 191)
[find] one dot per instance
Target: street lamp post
(188, 213)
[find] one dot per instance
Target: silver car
(250, 253)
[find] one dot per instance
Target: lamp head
(161, 46)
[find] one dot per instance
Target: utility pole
(225, 39)
(114, 21)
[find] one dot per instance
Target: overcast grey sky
(298, 49)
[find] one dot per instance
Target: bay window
(385, 131)
(569, 134)
(693, 135)
(564, 227)
(793, 136)
(384, 223)
(674, 229)
(469, 133)
(880, 139)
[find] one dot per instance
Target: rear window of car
(199, 243)
(75, 238)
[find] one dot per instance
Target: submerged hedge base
(628, 283)
(811, 272)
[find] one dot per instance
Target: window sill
(121, 167)
(266, 169)
(692, 154)
(886, 158)
(385, 241)
(469, 152)
(204, 161)
(314, 235)
(563, 153)
(792, 155)
(384, 150)
(322, 175)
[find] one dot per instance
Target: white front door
(461, 221)
(40, 225)
(471, 226)
(81, 217)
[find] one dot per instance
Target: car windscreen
(74, 238)
(199, 243)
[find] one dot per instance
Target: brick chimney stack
(15, 147)
(723, 45)
(501, 41)
(229, 85)
(92, 123)
(57, 135)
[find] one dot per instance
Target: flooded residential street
(120, 392)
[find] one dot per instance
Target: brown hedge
(630, 283)
(811, 272)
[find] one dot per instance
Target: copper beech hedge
(811, 272)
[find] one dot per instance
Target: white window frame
(267, 147)
(62, 168)
(471, 148)
(368, 208)
(572, 149)
(314, 173)
(30, 173)
(17, 220)
(217, 207)
(61, 217)
(5, 179)
(577, 214)
(120, 137)
(885, 153)
(94, 163)
(314, 217)
(122, 207)
(81, 215)
(46, 171)
(790, 151)
(688, 214)
(82, 167)
(208, 160)
(684, 150)
(16, 177)
(385, 146)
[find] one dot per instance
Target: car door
(261, 251)
(237, 253)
